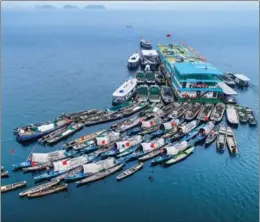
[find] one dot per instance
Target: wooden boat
(87, 145)
(83, 139)
(75, 116)
(212, 135)
(218, 112)
(38, 167)
(100, 175)
(49, 190)
(231, 141)
(221, 139)
(203, 132)
(39, 187)
(4, 173)
(13, 186)
(140, 77)
(176, 114)
(184, 129)
(159, 78)
(167, 94)
(68, 132)
(181, 156)
(193, 111)
(142, 93)
(24, 164)
(205, 112)
(150, 77)
(154, 94)
(232, 116)
(34, 131)
(150, 155)
(108, 117)
(241, 112)
(134, 108)
(170, 132)
(52, 134)
(129, 171)
(134, 131)
(250, 117)
(88, 117)
(193, 133)
(126, 124)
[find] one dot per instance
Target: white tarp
(189, 126)
(44, 128)
(45, 157)
(108, 138)
(99, 166)
(208, 127)
(175, 149)
(39, 157)
(151, 123)
(171, 124)
(132, 141)
(65, 165)
(153, 144)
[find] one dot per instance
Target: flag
(64, 162)
(168, 35)
(152, 145)
(127, 144)
(12, 151)
(173, 123)
(33, 163)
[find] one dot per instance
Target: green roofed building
(191, 77)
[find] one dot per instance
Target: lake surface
(55, 62)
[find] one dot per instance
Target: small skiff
(231, 141)
(130, 171)
(49, 190)
(221, 139)
(181, 156)
(12, 186)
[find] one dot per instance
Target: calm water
(54, 62)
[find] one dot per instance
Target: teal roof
(188, 68)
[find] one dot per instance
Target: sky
(214, 5)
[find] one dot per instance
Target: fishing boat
(38, 167)
(134, 108)
(231, 141)
(150, 155)
(50, 190)
(75, 116)
(145, 44)
(250, 117)
(232, 116)
(39, 187)
(170, 151)
(13, 186)
(227, 80)
(193, 133)
(133, 61)
(154, 94)
(4, 173)
(125, 91)
(212, 135)
(108, 138)
(204, 131)
(130, 171)
(120, 106)
(100, 175)
(205, 112)
(176, 114)
(26, 163)
(167, 94)
(151, 123)
(140, 77)
(134, 131)
(180, 156)
(52, 134)
(128, 151)
(150, 79)
(142, 93)
(159, 78)
(108, 117)
(221, 139)
(218, 112)
(192, 111)
(87, 145)
(241, 80)
(99, 113)
(34, 131)
(185, 129)
(241, 112)
(170, 125)
(74, 127)
(229, 99)
(126, 124)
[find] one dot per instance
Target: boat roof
(133, 58)
(242, 77)
(226, 89)
(126, 87)
(201, 68)
(152, 52)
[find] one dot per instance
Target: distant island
(45, 7)
(95, 7)
(70, 7)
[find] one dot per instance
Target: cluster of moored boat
(166, 134)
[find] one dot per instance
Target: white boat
(241, 80)
(125, 91)
(145, 44)
(232, 116)
(133, 61)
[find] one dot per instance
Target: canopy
(208, 127)
(173, 150)
(153, 145)
(152, 122)
(132, 141)
(44, 128)
(171, 124)
(189, 126)
(65, 165)
(45, 157)
(99, 166)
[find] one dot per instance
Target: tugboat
(145, 44)
(133, 61)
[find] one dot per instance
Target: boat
(159, 78)
(128, 151)
(130, 171)
(229, 99)
(142, 93)
(13, 186)
(218, 112)
(178, 113)
(108, 117)
(125, 92)
(98, 114)
(205, 112)
(241, 112)
(151, 123)
(26, 163)
(150, 155)
(241, 80)
(50, 190)
(34, 131)
(52, 134)
(227, 80)
(231, 141)
(100, 175)
(145, 44)
(134, 108)
(192, 111)
(172, 124)
(167, 94)
(212, 135)
(134, 131)
(170, 151)
(230, 75)
(150, 79)
(232, 116)
(203, 132)
(108, 138)
(149, 130)
(39, 187)
(83, 139)
(75, 116)
(180, 156)
(193, 133)
(133, 61)
(140, 77)
(38, 167)
(221, 139)
(154, 94)
(68, 132)
(250, 117)
(184, 129)
(4, 173)
(126, 124)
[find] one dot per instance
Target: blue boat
(128, 151)
(134, 131)
(192, 134)
(89, 149)
(21, 165)
(110, 153)
(48, 175)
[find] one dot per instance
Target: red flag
(168, 35)
(103, 142)
(33, 163)
(173, 123)
(12, 151)
(64, 162)
(151, 123)
(152, 145)
(127, 144)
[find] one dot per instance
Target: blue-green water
(54, 62)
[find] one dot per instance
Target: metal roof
(191, 68)
(150, 52)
